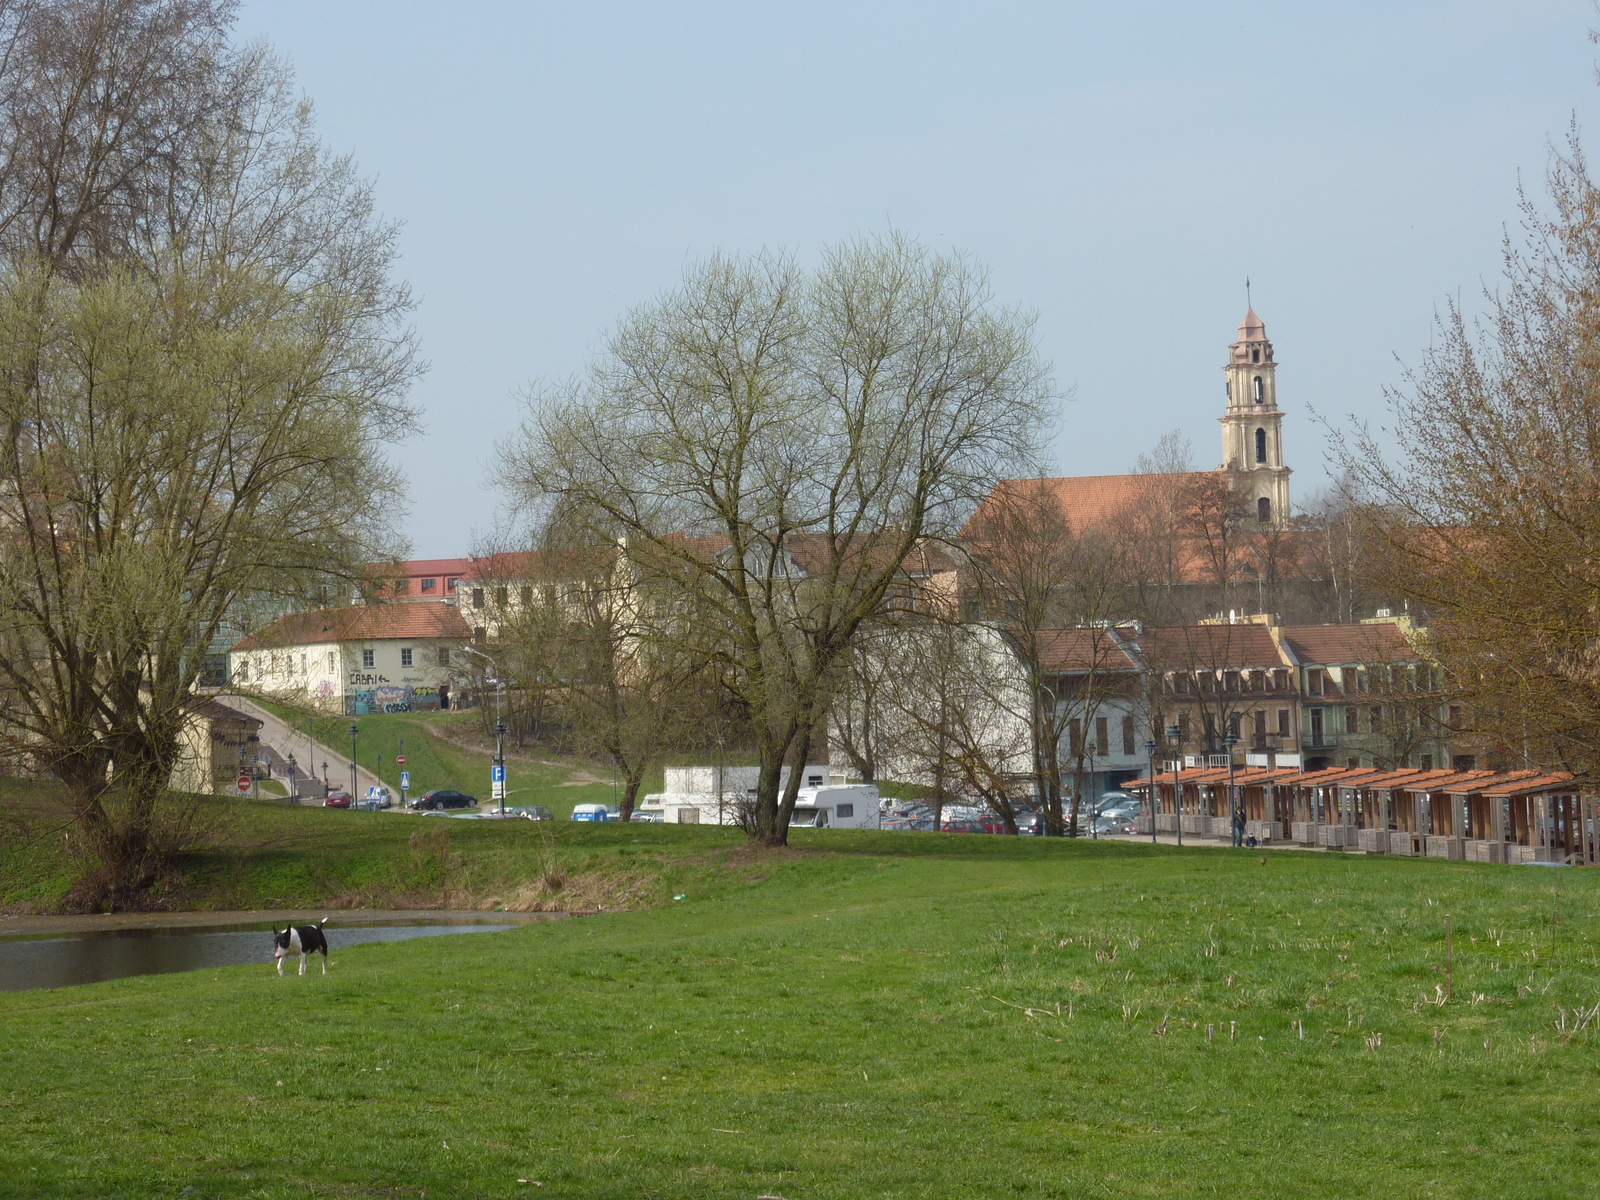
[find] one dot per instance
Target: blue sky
(1120, 167)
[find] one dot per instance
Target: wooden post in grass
(1449, 964)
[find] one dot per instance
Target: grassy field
(866, 1015)
(273, 855)
(450, 750)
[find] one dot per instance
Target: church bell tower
(1252, 427)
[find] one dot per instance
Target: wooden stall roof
(1534, 782)
(1242, 776)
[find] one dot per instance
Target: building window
(1464, 762)
(450, 585)
(1230, 681)
(500, 596)
(480, 635)
(1352, 763)
(405, 656)
(1233, 727)
(1261, 445)
(1255, 356)
(430, 585)
(1314, 682)
(302, 664)
(367, 660)
(1427, 762)
(1350, 721)
(1283, 722)
(1261, 389)
(402, 586)
(1455, 716)
(243, 674)
(444, 656)
(1377, 718)
(844, 810)
(1128, 737)
(1259, 720)
(1075, 738)
(477, 597)
(1180, 684)
(1316, 727)
(1264, 510)
(527, 596)
(1102, 740)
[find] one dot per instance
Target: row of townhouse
(1314, 696)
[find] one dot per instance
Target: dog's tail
(322, 922)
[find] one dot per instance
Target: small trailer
(839, 806)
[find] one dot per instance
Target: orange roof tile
(1340, 644)
(363, 623)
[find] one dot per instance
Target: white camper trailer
(848, 806)
(717, 796)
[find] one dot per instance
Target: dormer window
(1261, 391)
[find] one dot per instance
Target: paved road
(307, 753)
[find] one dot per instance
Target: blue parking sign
(498, 773)
(405, 779)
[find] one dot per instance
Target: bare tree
(1488, 510)
(1034, 573)
(773, 446)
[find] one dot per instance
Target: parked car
(442, 798)
(533, 812)
(649, 816)
(376, 798)
(337, 799)
(591, 812)
(1116, 815)
(961, 825)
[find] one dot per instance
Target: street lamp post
(294, 782)
(354, 729)
(500, 763)
(1175, 741)
(1150, 748)
(1235, 817)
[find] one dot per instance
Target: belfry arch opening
(1264, 510)
(1261, 445)
(1260, 390)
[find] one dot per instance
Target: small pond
(53, 960)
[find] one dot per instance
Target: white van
(846, 806)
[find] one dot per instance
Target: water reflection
(46, 962)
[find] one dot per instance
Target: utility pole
(354, 729)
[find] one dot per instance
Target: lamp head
(1174, 736)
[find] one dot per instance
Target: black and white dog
(301, 940)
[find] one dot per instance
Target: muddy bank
(27, 926)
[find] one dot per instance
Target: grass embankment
(886, 1015)
(448, 750)
(267, 854)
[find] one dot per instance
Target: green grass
(867, 1015)
(435, 759)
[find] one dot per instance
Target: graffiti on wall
(393, 699)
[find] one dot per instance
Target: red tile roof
(1094, 501)
(1208, 647)
(1071, 650)
(1341, 644)
(361, 623)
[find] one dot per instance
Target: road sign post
(405, 785)
(498, 784)
(245, 784)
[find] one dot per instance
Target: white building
(358, 660)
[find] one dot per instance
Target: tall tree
(773, 445)
(194, 405)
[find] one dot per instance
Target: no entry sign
(400, 760)
(244, 783)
